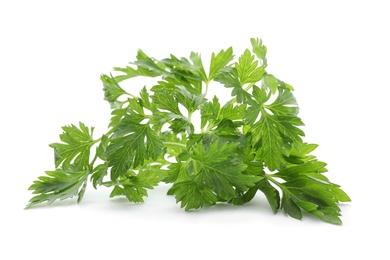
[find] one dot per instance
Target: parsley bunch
(253, 143)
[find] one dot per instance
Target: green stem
(208, 128)
(175, 145)
(109, 183)
(269, 177)
(183, 136)
(93, 161)
(131, 95)
(249, 86)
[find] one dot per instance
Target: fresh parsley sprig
(252, 143)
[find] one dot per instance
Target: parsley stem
(270, 178)
(249, 86)
(175, 145)
(131, 95)
(94, 160)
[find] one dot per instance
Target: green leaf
(232, 112)
(197, 66)
(219, 169)
(117, 115)
(188, 74)
(111, 88)
(209, 111)
(150, 65)
(276, 131)
(177, 172)
(77, 142)
(59, 185)
(271, 142)
(291, 208)
(224, 131)
(98, 174)
(101, 150)
(134, 187)
(300, 153)
(311, 167)
(180, 124)
(314, 197)
(190, 101)
(230, 79)
(192, 195)
(247, 68)
(165, 99)
(219, 61)
(145, 99)
(213, 113)
(270, 83)
(130, 72)
(130, 145)
(271, 193)
(259, 49)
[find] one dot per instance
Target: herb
(251, 144)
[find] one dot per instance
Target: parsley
(251, 144)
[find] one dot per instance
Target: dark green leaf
(219, 169)
(276, 131)
(191, 195)
(134, 187)
(271, 193)
(130, 145)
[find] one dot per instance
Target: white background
(334, 53)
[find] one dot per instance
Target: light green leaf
(230, 79)
(247, 68)
(259, 49)
(219, 61)
(134, 187)
(190, 101)
(59, 185)
(197, 66)
(77, 142)
(111, 88)
(269, 82)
